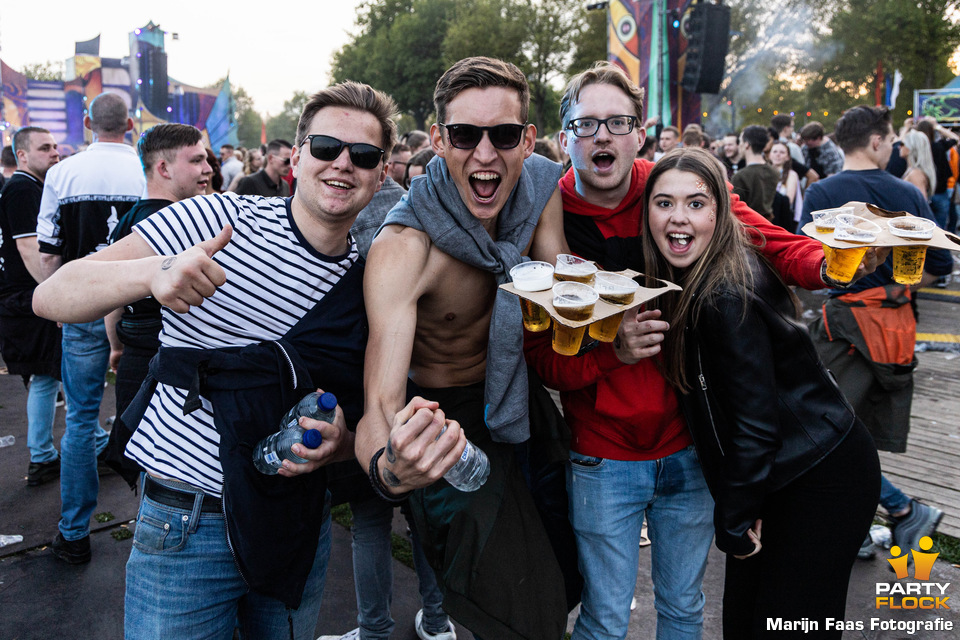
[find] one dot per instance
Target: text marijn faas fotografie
(910, 627)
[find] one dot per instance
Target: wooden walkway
(930, 468)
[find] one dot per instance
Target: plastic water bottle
(316, 405)
(5, 540)
(471, 470)
(269, 454)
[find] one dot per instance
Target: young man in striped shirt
(281, 314)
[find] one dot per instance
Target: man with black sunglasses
(436, 315)
(263, 303)
(268, 181)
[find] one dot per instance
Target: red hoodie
(629, 412)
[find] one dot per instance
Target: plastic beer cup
(573, 301)
(825, 220)
(908, 259)
(572, 268)
(842, 263)
(615, 289)
(533, 276)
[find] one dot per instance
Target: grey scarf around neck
(433, 205)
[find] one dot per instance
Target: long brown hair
(723, 265)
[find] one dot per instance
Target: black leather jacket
(763, 408)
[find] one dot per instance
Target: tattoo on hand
(390, 478)
(391, 456)
(166, 264)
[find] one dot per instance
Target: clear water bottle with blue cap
(269, 454)
(316, 405)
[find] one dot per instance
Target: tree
(591, 42)
(553, 27)
(915, 36)
(284, 124)
(249, 122)
(45, 71)
(493, 28)
(399, 51)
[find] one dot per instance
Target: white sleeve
(48, 219)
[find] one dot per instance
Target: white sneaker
(349, 635)
(424, 635)
(644, 539)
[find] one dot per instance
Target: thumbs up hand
(184, 280)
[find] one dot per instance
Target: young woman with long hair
(786, 459)
(921, 171)
(789, 185)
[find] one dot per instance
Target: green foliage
(592, 43)
(948, 546)
(247, 119)
(284, 124)
(398, 50)
(404, 46)
(914, 36)
(104, 516)
(122, 533)
(46, 71)
(820, 56)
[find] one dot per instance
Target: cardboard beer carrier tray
(941, 239)
(602, 309)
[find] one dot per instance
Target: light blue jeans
(41, 411)
(183, 583)
(373, 572)
(608, 501)
(86, 354)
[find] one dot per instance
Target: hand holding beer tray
(847, 232)
(574, 296)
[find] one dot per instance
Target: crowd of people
(223, 289)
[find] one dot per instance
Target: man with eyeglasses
(262, 303)
(268, 180)
(631, 453)
(439, 326)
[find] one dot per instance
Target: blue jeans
(608, 501)
(891, 498)
(41, 410)
(182, 582)
(86, 354)
(940, 204)
(951, 213)
(373, 572)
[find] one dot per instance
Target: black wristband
(378, 486)
(830, 282)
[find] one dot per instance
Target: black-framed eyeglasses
(468, 136)
(328, 148)
(616, 125)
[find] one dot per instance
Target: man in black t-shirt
(30, 345)
(268, 181)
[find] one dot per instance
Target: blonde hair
(921, 158)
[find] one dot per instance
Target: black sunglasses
(468, 136)
(328, 148)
